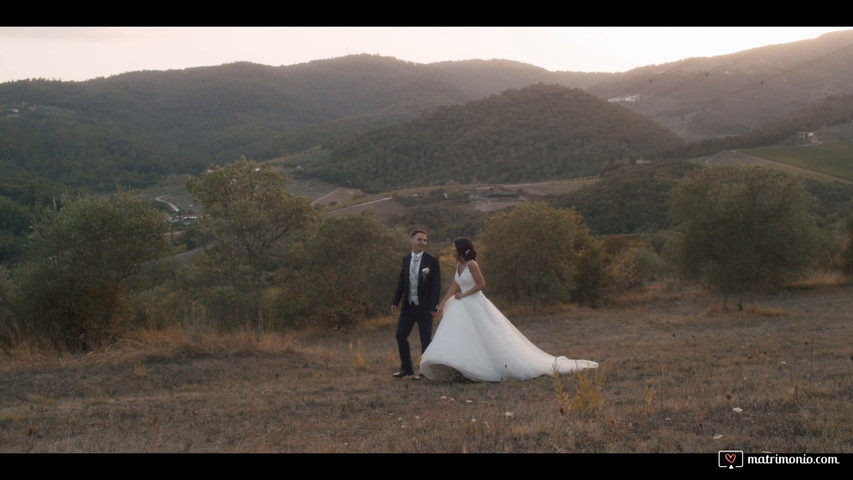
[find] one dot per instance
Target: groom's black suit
(429, 290)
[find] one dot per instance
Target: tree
(352, 265)
(743, 228)
(251, 214)
(78, 258)
(847, 249)
(15, 221)
(540, 255)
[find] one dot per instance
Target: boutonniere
(425, 272)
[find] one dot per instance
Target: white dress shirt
(413, 277)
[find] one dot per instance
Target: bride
(476, 341)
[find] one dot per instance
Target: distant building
(807, 137)
(184, 219)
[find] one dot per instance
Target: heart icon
(731, 457)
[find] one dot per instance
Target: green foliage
(14, 224)
(352, 263)
(833, 200)
(351, 115)
(629, 199)
(445, 222)
(536, 255)
(9, 331)
(829, 157)
(833, 110)
(71, 289)
(591, 280)
(61, 147)
(538, 132)
(132, 129)
(252, 215)
(632, 261)
(20, 196)
(743, 228)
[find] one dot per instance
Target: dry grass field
(677, 375)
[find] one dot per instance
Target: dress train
(475, 340)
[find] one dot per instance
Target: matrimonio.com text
(732, 459)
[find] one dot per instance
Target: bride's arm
(450, 292)
(479, 281)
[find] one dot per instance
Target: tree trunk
(259, 292)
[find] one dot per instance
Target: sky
(84, 53)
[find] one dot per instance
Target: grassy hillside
(833, 158)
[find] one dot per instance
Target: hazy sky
(83, 53)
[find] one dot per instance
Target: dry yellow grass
(675, 376)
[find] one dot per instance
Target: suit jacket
(429, 283)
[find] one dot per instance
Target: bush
(537, 255)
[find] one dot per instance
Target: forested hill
(529, 134)
(133, 128)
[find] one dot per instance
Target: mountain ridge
(136, 127)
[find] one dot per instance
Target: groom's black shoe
(419, 376)
(403, 373)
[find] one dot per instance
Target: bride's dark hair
(465, 248)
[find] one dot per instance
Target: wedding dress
(475, 340)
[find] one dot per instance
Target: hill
(712, 97)
(535, 133)
(361, 117)
(136, 128)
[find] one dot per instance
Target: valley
(481, 197)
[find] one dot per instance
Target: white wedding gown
(476, 340)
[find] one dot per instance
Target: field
(677, 375)
(833, 159)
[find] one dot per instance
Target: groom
(419, 287)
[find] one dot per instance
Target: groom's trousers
(411, 314)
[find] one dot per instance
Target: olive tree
(252, 215)
(741, 228)
(347, 270)
(539, 255)
(78, 258)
